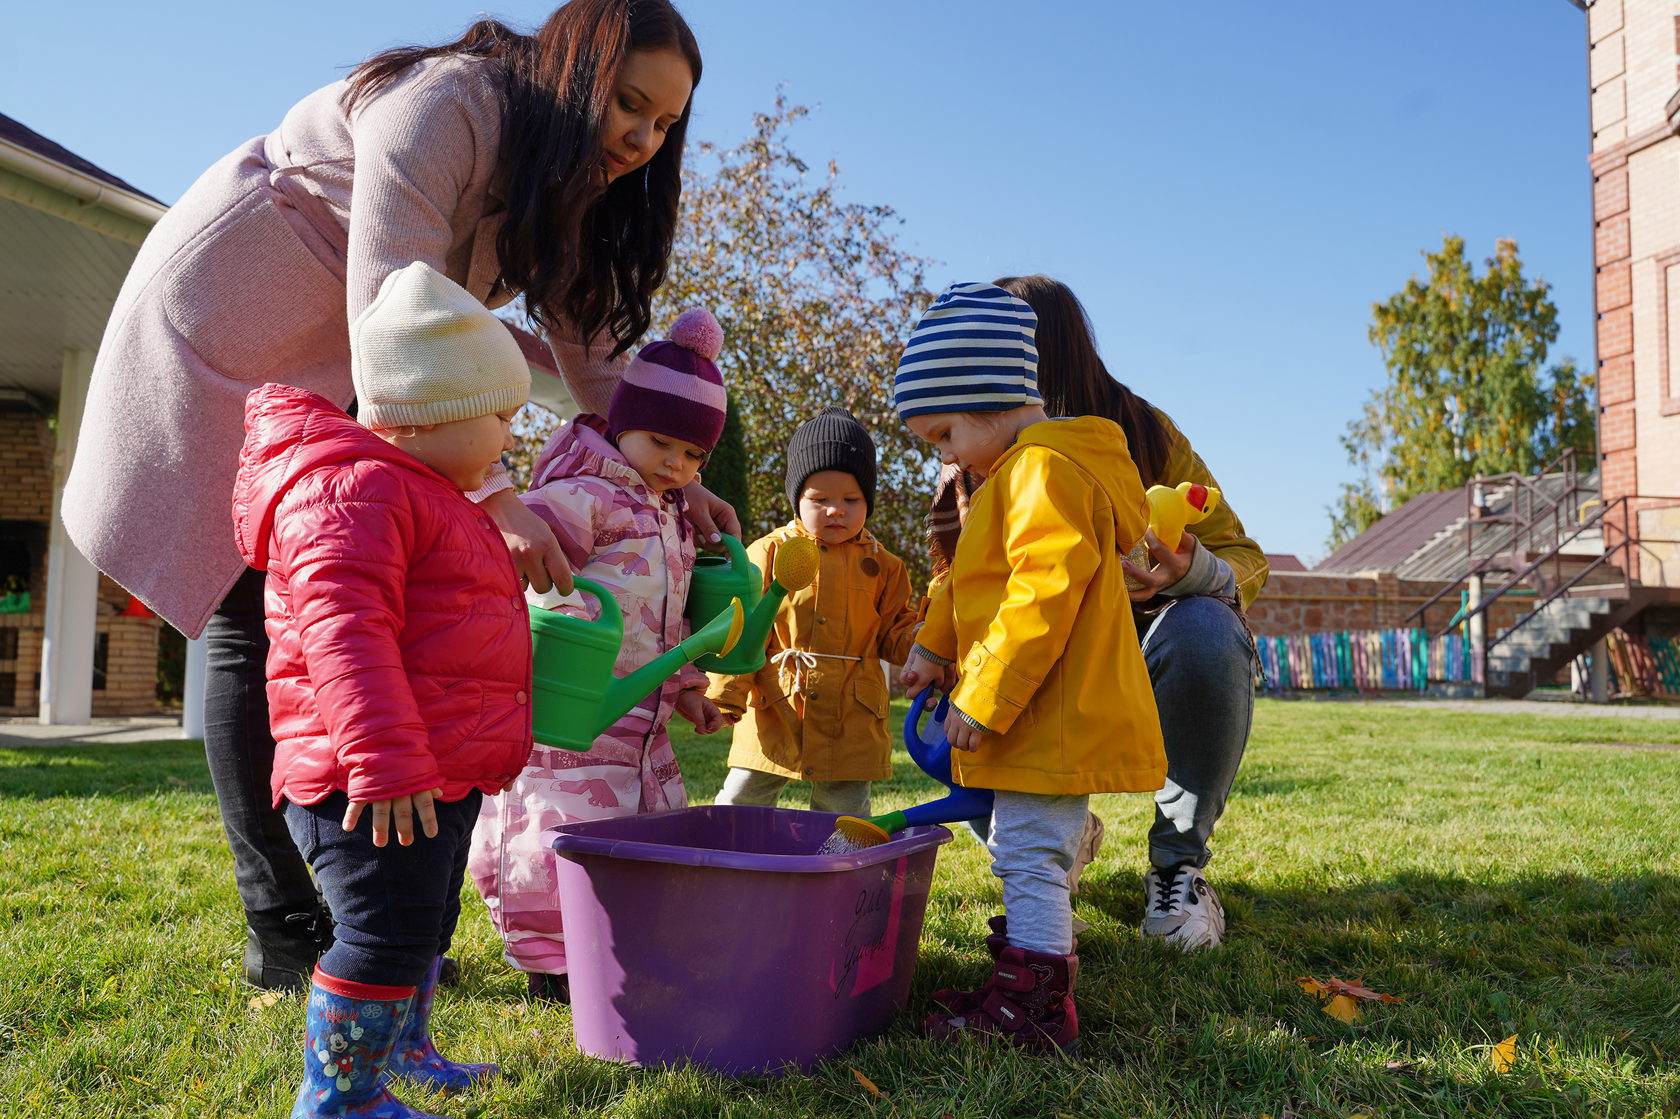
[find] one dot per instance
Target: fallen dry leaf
(266, 999)
(1343, 1008)
(1358, 990)
(1399, 1066)
(1504, 1055)
(868, 1084)
(1329, 988)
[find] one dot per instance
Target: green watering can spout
(575, 695)
(716, 580)
(717, 636)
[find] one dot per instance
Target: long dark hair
(1072, 378)
(586, 255)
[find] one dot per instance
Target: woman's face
(652, 90)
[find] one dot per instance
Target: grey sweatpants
(752, 786)
(1033, 840)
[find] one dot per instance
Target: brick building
(1634, 74)
(70, 646)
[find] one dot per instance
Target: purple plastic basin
(717, 935)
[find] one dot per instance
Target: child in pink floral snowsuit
(612, 491)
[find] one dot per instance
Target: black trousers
(267, 868)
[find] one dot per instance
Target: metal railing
(1617, 520)
(1537, 521)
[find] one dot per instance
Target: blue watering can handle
(913, 720)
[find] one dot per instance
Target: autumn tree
(1468, 391)
(815, 297)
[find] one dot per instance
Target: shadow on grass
(123, 770)
(1585, 971)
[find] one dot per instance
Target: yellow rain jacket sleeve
(1036, 615)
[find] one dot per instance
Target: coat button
(518, 603)
(822, 619)
(811, 695)
(520, 696)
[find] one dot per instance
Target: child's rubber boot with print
(416, 1059)
(1028, 1003)
(961, 1002)
(348, 1036)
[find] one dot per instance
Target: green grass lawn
(1501, 874)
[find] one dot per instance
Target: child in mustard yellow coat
(1033, 625)
(817, 710)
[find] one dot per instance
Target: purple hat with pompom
(674, 388)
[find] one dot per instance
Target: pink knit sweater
(254, 277)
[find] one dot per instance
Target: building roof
(1392, 540)
(15, 132)
(1281, 561)
(1425, 538)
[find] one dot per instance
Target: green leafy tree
(815, 297)
(1468, 393)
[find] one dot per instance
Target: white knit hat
(426, 352)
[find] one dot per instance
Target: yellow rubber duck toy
(1171, 510)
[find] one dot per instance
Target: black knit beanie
(831, 440)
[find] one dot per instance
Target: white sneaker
(1181, 908)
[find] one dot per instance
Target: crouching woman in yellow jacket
(1052, 701)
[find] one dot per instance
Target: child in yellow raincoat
(817, 710)
(1033, 625)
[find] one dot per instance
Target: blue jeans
(1201, 662)
(394, 908)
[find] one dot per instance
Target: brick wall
(131, 666)
(1634, 64)
(26, 450)
(1297, 602)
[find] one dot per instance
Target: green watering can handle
(607, 603)
(738, 560)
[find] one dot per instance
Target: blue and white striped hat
(972, 351)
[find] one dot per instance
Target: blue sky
(1228, 186)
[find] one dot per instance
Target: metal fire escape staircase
(1572, 551)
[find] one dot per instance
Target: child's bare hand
(702, 712)
(402, 810)
(962, 736)
(918, 672)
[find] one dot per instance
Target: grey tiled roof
(15, 132)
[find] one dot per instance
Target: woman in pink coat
(545, 165)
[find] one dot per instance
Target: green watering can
(574, 694)
(718, 579)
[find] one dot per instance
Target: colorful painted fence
(1643, 666)
(1365, 660)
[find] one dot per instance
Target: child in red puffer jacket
(400, 662)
